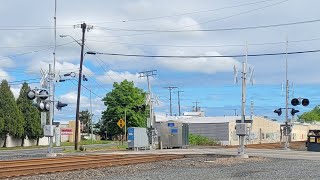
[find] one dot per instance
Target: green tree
(313, 115)
(31, 115)
(124, 98)
(10, 113)
(84, 117)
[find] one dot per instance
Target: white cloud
(112, 76)
(15, 90)
(201, 65)
(71, 99)
(4, 75)
(7, 62)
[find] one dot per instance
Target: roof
(199, 120)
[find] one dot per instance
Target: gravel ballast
(198, 167)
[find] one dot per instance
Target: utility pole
(196, 102)
(235, 112)
(170, 89)
(147, 74)
(242, 125)
(54, 56)
(91, 116)
(51, 76)
(150, 124)
(179, 102)
(83, 27)
(287, 97)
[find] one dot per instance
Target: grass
(85, 142)
(195, 139)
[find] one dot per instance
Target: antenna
(292, 89)
(235, 73)
(251, 70)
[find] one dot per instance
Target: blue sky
(27, 39)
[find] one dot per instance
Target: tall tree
(85, 117)
(10, 113)
(31, 115)
(313, 115)
(123, 99)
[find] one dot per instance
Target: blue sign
(130, 130)
(170, 124)
(131, 137)
(174, 131)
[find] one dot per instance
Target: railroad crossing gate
(121, 123)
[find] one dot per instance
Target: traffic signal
(278, 111)
(294, 111)
(305, 102)
(60, 105)
(295, 102)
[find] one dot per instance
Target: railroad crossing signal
(121, 123)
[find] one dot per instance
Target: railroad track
(49, 165)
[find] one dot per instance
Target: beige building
(222, 128)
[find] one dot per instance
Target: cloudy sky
(173, 28)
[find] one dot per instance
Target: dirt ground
(299, 145)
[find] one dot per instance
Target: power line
(86, 88)
(208, 56)
(35, 51)
(182, 14)
(205, 46)
(216, 30)
(213, 20)
(97, 58)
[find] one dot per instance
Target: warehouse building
(222, 128)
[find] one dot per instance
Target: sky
(166, 28)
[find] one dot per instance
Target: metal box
(48, 130)
(241, 129)
(137, 138)
(174, 134)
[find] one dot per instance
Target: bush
(195, 139)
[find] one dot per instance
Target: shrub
(195, 139)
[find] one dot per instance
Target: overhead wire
(218, 29)
(209, 56)
(205, 46)
(209, 21)
(35, 51)
(182, 14)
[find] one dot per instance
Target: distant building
(222, 128)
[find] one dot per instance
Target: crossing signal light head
(295, 102)
(43, 94)
(60, 105)
(31, 94)
(294, 111)
(278, 111)
(305, 102)
(44, 106)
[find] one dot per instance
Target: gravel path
(199, 167)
